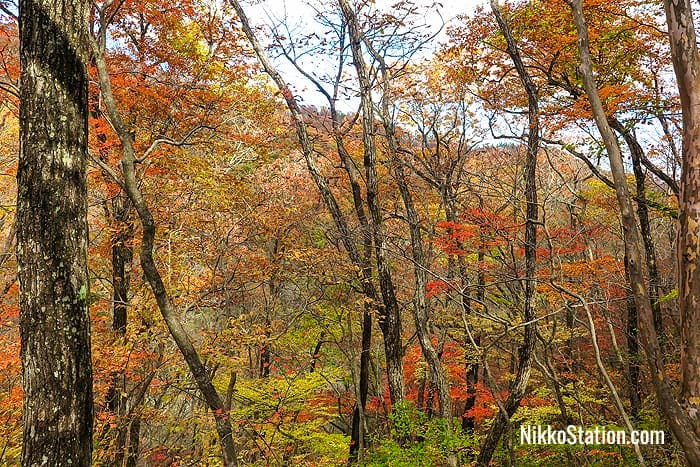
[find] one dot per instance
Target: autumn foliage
(260, 273)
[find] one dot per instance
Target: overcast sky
(299, 8)
(300, 16)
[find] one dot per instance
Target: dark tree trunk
(264, 367)
(134, 442)
(633, 374)
(52, 234)
(471, 362)
(635, 389)
(390, 315)
(357, 434)
(527, 348)
(358, 420)
(122, 257)
(118, 210)
(365, 262)
(365, 265)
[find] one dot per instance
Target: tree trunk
(148, 265)
(420, 302)
(52, 234)
(365, 262)
(390, 319)
(122, 256)
(633, 374)
(637, 154)
(526, 350)
(358, 420)
(686, 63)
(680, 421)
(133, 442)
(601, 368)
(420, 267)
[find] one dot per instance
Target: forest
(349, 232)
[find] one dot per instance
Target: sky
(300, 15)
(300, 8)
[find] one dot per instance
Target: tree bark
(122, 257)
(632, 333)
(686, 63)
(358, 418)
(471, 361)
(390, 319)
(52, 234)
(148, 265)
(526, 350)
(637, 154)
(680, 421)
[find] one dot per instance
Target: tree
(389, 317)
(682, 423)
(526, 350)
(340, 127)
(390, 320)
(130, 183)
(52, 233)
(686, 63)
(274, 235)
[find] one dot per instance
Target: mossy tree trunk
(52, 234)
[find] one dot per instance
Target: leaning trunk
(680, 421)
(150, 270)
(637, 154)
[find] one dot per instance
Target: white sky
(300, 15)
(300, 8)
